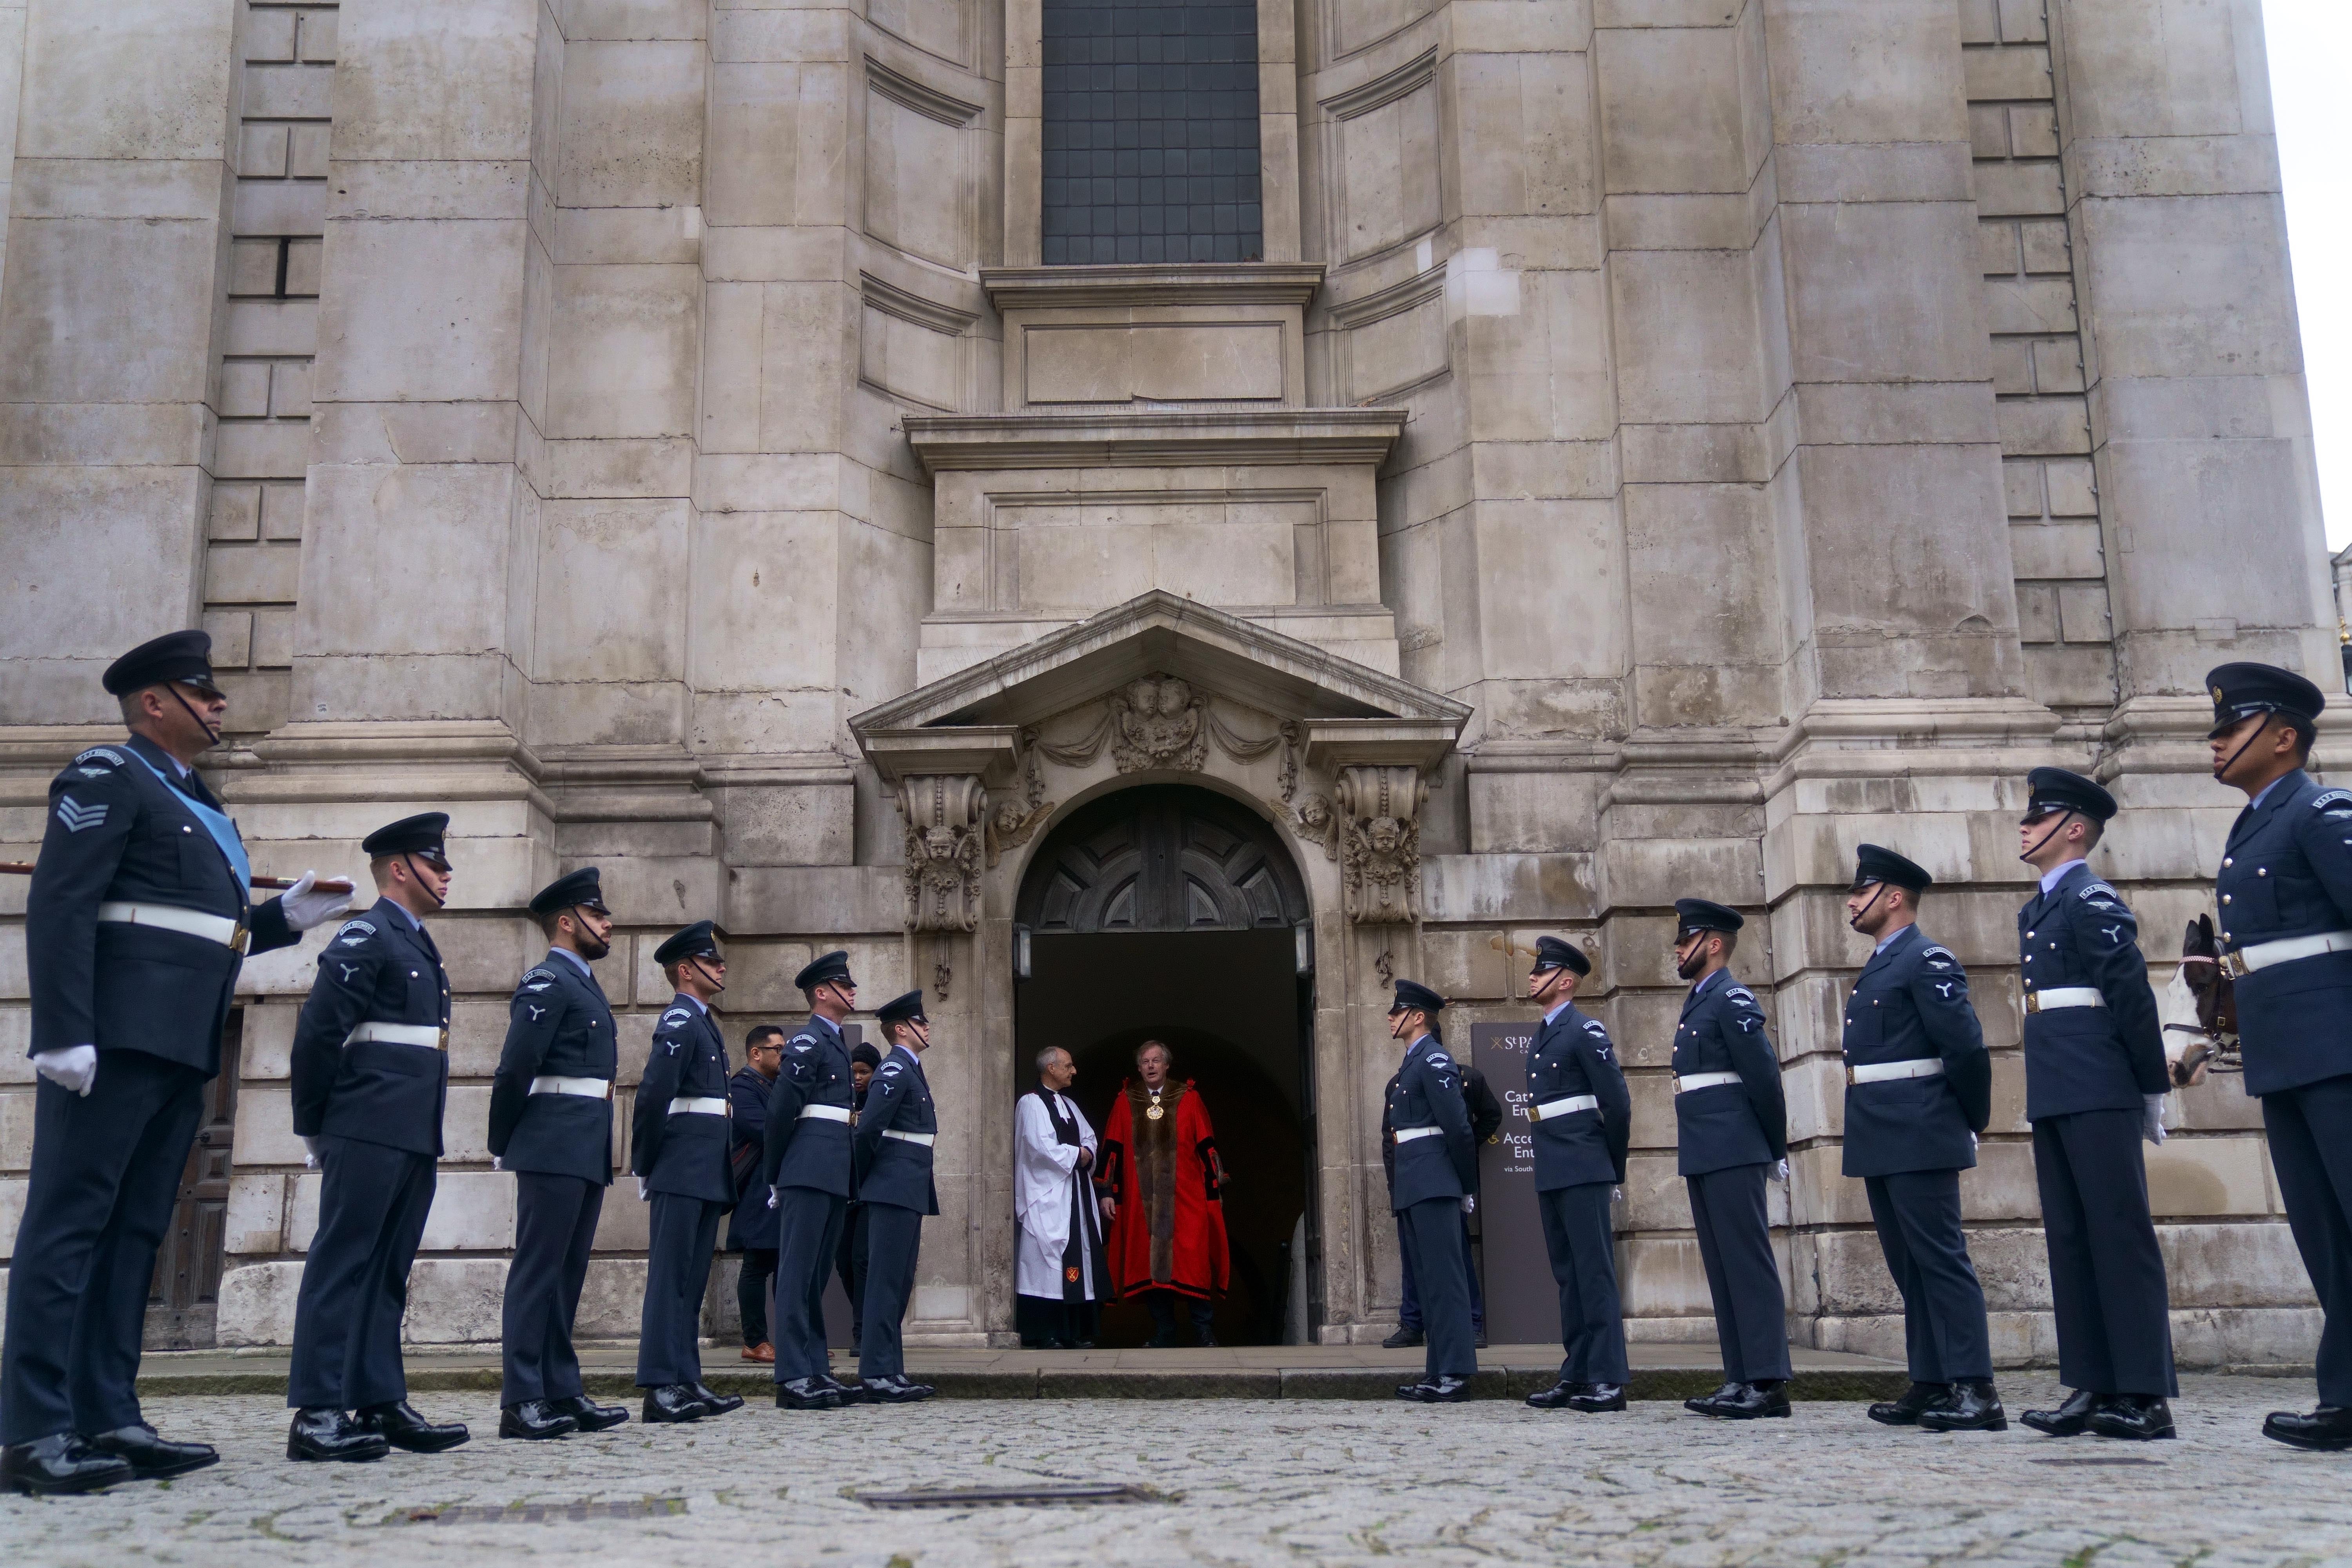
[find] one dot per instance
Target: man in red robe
(1163, 1192)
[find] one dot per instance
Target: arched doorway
(1171, 912)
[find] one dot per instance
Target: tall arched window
(1151, 131)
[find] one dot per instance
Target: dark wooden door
(1162, 857)
(184, 1299)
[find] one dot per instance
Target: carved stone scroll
(1381, 844)
(946, 824)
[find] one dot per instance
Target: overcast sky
(2311, 75)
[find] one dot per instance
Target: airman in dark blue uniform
(891, 1148)
(678, 1150)
(2285, 892)
(2095, 1084)
(1731, 1130)
(551, 1125)
(807, 1166)
(370, 1078)
(1918, 1091)
(136, 924)
(1436, 1172)
(1583, 1118)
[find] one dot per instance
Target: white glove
(1780, 1172)
(497, 1163)
(1469, 1206)
(314, 1151)
(2151, 1122)
(643, 1196)
(771, 1198)
(1616, 1195)
(305, 907)
(1973, 1144)
(73, 1069)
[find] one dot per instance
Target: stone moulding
(1197, 435)
(1151, 283)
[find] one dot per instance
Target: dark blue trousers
(2106, 1273)
(106, 1171)
(893, 1236)
(1945, 1336)
(1409, 1294)
(371, 1206)
(1432, 1232)
(2311, 1149)
(808, 1230)
(677, 1273)
(1735, 1243)
(1584, 1266)
(555, 1225)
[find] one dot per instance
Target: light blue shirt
(2050, 878)
(699, 1005)
(1884, 942)
(2263, 793)
(567, 952)
(1556, 1012)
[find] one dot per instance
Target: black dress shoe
(1972, 1408)
(672, 1403)
(320, 1433)
(1204, 1339)
(59, 1464)
(1161, 1342)
(1599, 1398)
(1905, 1411)
(151, 1458)
(2327, 1428)
(897, 1389)
(806, 1394)
(535, 1419)
(1478, 1340)
(1705, 1404)
(589, 1415)
(399, 1424)
(1752, 1402)
(1442, 1391)
(2144, 1417)
(716, 1403)
(1404, 1339)
(1556, 1396)
(851, 1393)
(2071, 1419)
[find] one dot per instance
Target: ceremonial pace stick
(274, 884)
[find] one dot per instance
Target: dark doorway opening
(1171, 913)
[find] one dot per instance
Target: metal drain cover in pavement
(542, 1512)
(1009, 1497)
(2088, 1460)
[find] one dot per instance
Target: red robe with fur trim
(1169, 1234)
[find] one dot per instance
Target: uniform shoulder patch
(892, 1070)
(108, 757)
(2332, 799)
(1741, 993)
(2095, 889)
(1438, 1059)
(676, 1015)
(535, 980)
(1592, 1027)
(353, 933)
(804, 1042)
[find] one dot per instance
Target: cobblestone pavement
(1250, 1482)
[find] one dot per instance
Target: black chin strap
(2064, 818)
(1854, 920)
(2231, 760)
(407, 860)
(715, 985)
(212, 736)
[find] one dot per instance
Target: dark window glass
(1150, 133)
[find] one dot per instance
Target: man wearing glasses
(551, 1124)
(370, 1078)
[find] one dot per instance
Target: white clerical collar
(1556, 1012)
(2057, 873)
(574, 957)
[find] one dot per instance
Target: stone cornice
(1151, 283)
(1193, 435)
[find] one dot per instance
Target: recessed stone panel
(1092, 554)
(1168, 361)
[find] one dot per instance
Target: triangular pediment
(1159, 633)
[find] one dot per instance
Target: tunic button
(2225, 936)
(2262, 870)
(2225, 898)
(186, 828)
(2029, 933)
(2227, 862)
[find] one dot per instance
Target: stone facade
(1659, 445)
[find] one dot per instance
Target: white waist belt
(1407, 1134)
(190, 923)
(925, 1139)
(824, 1112)
(2063, 996)
(1703, 1080)
(587, 1087)
(432, 1037)
(698, 1105)
(1883, 1072)
(2241, 960)
(1574, 1102)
